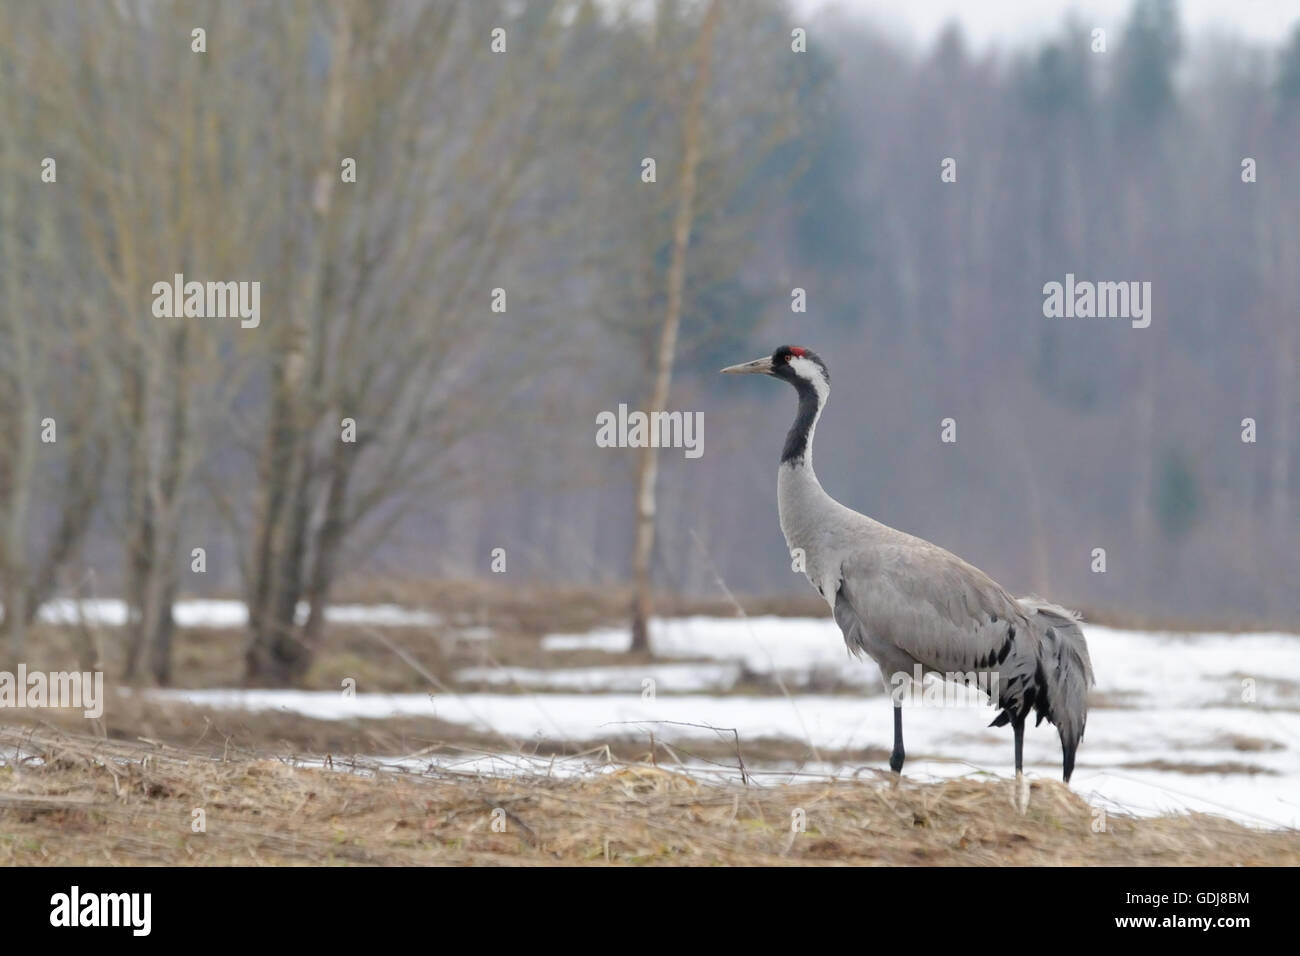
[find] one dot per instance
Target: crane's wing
(943, 613)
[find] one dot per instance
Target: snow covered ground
(1180, 722)
(111, 612)
(674, 678)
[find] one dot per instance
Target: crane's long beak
(762, 366)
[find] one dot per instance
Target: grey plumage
(905, 602)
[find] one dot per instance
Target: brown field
(80, 800)
(121, 790)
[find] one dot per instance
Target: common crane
(906, 602)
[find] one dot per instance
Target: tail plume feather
(1063, 674)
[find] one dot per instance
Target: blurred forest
(499, 273)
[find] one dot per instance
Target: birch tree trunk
(648, 467)
(273, 653)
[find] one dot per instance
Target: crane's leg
(1022, 786)
(896, 758)
(1067, 760)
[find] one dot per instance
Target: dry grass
(86, 801)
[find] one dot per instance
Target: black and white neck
(808, 375)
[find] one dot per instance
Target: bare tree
(683, 219)
(402, 304)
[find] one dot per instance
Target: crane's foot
(1020, 795)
